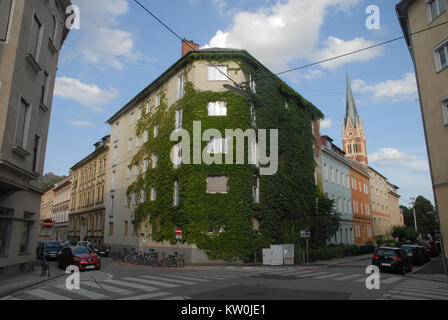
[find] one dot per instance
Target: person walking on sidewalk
(42, 255)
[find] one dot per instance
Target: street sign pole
(307, 252)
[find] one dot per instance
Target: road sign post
(306, 234)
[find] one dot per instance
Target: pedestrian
(42, 255)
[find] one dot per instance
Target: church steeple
(353, 137)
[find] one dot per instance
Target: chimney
(188, 46)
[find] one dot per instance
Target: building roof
(359, 167)
(377, 172)
(62, 183)
(351, 111)
(402, 13)
(97, 151)
(179, 65)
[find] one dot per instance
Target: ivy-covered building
(227, 211)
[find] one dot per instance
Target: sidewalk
(28, 279)
(433, 271)
(338, 261)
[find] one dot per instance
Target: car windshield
(52, 244)
(407, 248)
(387, 252)
(81, 250)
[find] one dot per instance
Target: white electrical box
(277, 255)
(267, 257)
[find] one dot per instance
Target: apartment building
(31, 36)
(61, 208)
(396, 216)
(46, 212)
(336, 184)
(379, 194)
(87, 202)
(150, 192)
(429, 53)
(362, 211)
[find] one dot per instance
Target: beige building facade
(87, 200)
(429, 52)
(61, 208)
(46, 211)
(31, 37)
(379, 195)
(396, 216)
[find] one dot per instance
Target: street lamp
(413, 207)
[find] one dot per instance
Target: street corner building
(31, 36)
(227, 210)
(87, 202)
(429, 52)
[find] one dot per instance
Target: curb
(424, 266)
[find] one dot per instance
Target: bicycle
(45, 267)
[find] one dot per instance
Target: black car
(425, 253)
(53, 248)
(393, 259)
(416, 254)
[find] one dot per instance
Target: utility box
(277, 255)
(288, 254)
(267, 257)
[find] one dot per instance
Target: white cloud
(325, 123)
(393, 157)
(100, 33)
(403, 89)
(77, 123)
(287, 31)
(89, 95)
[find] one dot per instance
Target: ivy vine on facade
(226, 211)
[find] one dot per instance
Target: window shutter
(217, 184)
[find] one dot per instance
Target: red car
(431, 247)
(82, 257)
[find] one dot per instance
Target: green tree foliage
(404, 233)
(425, 215)
(324, 221)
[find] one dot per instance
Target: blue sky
(120, 49)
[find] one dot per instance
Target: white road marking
(175, 298)
(47, 295)
(153, 282)
(106, 287)
(312, 275)
(419, 294)
(329, 276)
(9, 298)
(131, 285)
(404, 297)
(351, 276)
(410, 286)
(146, 296)
(187, 278)
(170, 280)
(424, 291)
(390, 280)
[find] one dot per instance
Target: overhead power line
(182, 39)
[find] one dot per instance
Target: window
(153, 193)
(111, 228)
(137, 141)
(113, 180)
(135, 170)
(145, 164)
(36, 153)
(252, 115)
(181, 86)
(115, 154)
(5, 229)
(326, 171)
(217, 108)
(128, 172)
(53, 29)
(445, 111)
(332, 174)
(146, 135)
(256, 189)
(130, 145)
(117, 127)
(337, 175)
(125, 228)
(27, 227)
(177, 156)
(176, 194)
(131, 120)
(154, 159)
(217, 184)
(22, 124)
(35, 40)
(158, 99)
(435, 8)
(217, 145)
(178, 123)
(5, 11)
(127, 201)
(441, 56)
(44, 90)
(156, 130)
(143, 196)
(253, 86)
(134, 199)
(217, 73)
(148, 106)
(140, 113)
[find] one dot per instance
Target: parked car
(53, 248)
(431, 247)
(82, 257)
(393, 259)
(425, 253)
(101, 250)
(417, 254)
(66, 243)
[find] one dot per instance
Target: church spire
(351, 111)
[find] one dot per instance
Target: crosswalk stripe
(146, 296)
(187, 278)
(410, 286)
(206, 276)
(153, 282)
(328, 276)
(404, 297)
(9, 298)
(131, 285)
(220, 275)
(170, 280)
(419, 294)
(351, 276)
(312, 275)
(47, 295)
(437, 292)
(429, 285)
(175, 298)
(106, 287)
(305, 273)
(390, 280)
(86, 293)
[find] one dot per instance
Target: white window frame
(181, 86)
(177, 157)
(156, 130)
(217, 146)
(442, 46)
(178, 120)
(154, 160)
(146, 135)
(429, 11)
(131, 120)
(128, 172)
(130, 145)
(215, 75)
(445, 110)
(217, 109)
(153, 193)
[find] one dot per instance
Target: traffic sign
(48, 223)
(178, 233)
(305, 234)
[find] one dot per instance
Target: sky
(120, 49)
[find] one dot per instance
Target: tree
(425, 216)
(324, 222)
(404, 233)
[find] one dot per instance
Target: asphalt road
(117, 281)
